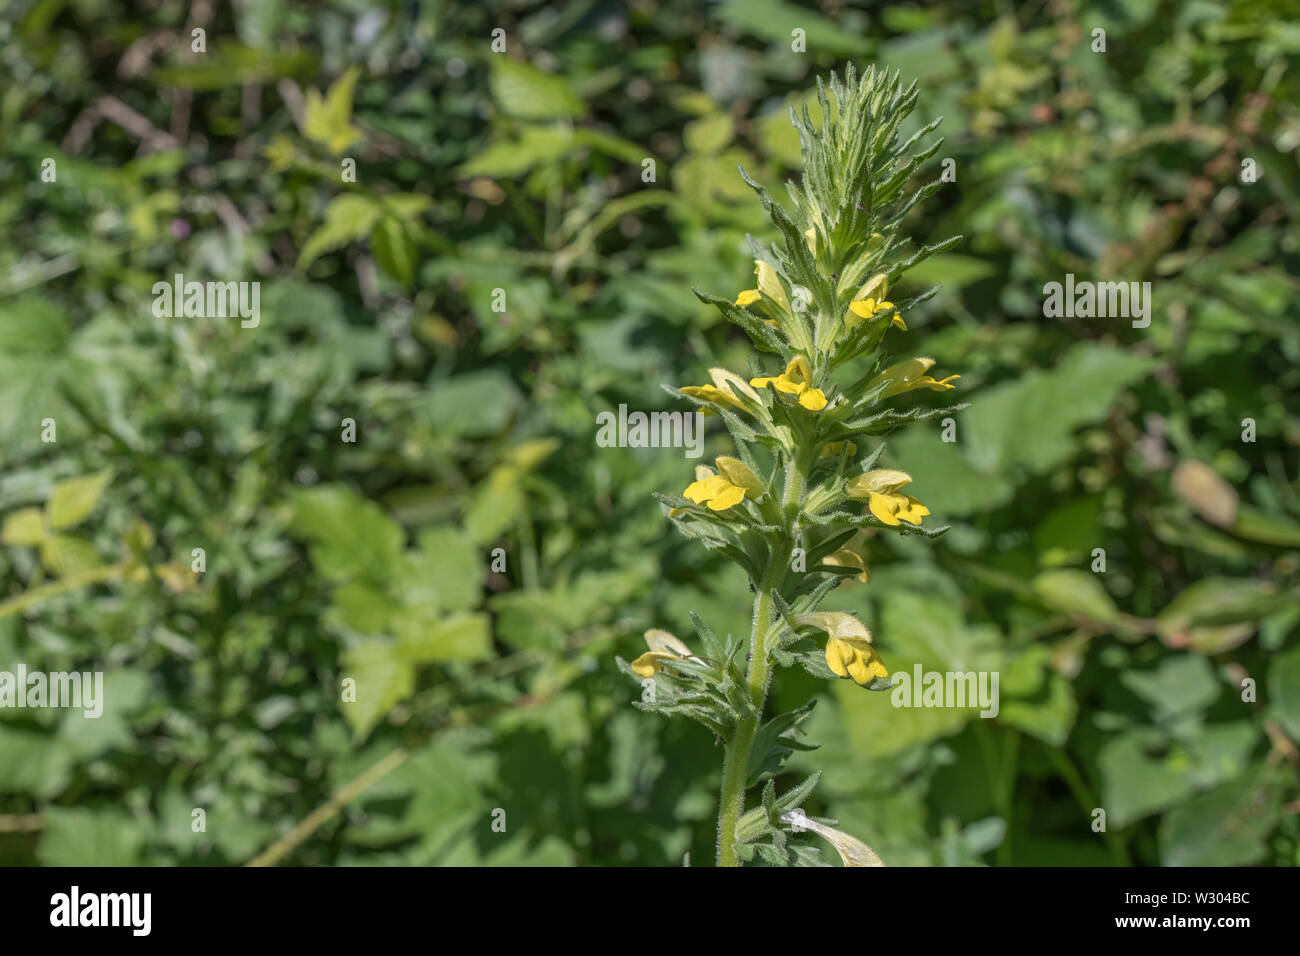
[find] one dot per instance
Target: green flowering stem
(735, 762)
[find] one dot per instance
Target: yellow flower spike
(909, 375)
(663, 647)
(769, 284)
(844, 558)
(852, 851)
(741, 475)
(880, 488)
(748, 297)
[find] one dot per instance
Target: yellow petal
(647, 665)
(799, 370)
(859, 670)
(844, 558)
(883, 507)
(898, 321)
(788, 385)
(732, 495)
(666, 643)
(838, 624)
(770, 284)
(876, 481)
(814, 399)
(728, 381)
(833, 659)
(739, 473)
(748, 297)
(852, 851)
(877, 287)
(710, 393)
(702, 491)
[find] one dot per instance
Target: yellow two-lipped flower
(870, 302)
(845, 558)
(848, 646)
(880, 487)
(909, 375)
(726, 386)
(768, 284)
(796, 380)
(663, 647)
(726, 489)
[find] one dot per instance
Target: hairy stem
(735, 762)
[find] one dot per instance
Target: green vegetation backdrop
(1164, 690)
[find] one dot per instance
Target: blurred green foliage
(526, 171)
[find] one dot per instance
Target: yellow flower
(726, 385)
(725, 490)
(844, 558)
(663, 647)
(832, 449)
(852, 851)
(796, 380)
(909, 375)
(870, 301)
(848, 646)
(880, 487)
(769, 284)
(711, 393)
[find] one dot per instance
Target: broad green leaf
(394, 249)
(1217, 614)
(1284, 690)
(65, 554)
(25, 526)
(522, 90)
(1227, 826)
(1075, 592)
(445, 572)
(1181, 684)
(462, 637)
(777, 20)
(507, 158)
(348, 217)
(709, 134)
(351, 537)
(384, 677)
(80, 837)
(328, 120)
(73, 499)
